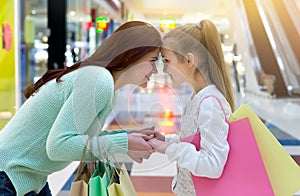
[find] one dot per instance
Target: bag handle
(213, 96)
(106, 163)
(81, 164)
(109, 161)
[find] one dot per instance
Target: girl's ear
(190, 59)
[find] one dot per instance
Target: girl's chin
(176, 82)
(143, 85)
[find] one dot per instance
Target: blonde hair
(202, 39)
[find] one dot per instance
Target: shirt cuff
(114, 131)
(113, 144)
(178, 150)
(170, 152)
(173, 138)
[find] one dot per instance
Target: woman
(65, 107)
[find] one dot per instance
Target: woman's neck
(117, 82)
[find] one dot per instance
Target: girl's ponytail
(217, 69)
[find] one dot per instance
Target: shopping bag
(283, 171)
(79, 187)
(244, 172)
(124, 187)
(115, 189)
(100, 179)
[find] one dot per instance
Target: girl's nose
(165, 69)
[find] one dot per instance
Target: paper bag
(125, 187)
(283, 171)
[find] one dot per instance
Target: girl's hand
(158, 145)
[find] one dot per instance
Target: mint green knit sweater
(49, 131)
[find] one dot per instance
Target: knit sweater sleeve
(82, 116)
(211, 159)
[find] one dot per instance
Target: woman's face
(140, 73)
(173, 67)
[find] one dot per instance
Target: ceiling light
(72, 13)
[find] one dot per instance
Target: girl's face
(140, 73)
(173, 67)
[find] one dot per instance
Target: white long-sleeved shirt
(208, 119)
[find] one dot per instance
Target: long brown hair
(127, 44)
(203, 39)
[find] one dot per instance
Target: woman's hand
(138, 147)
(158, 145)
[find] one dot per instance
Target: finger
(147, 156)
(151, 151)
(139, 160)
(148, 132)
(154, 147)
(149, 128)
(147, 137)
(153, 127)
(143, 147)
(151, 142)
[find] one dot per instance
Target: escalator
(290, 30)
(263, 48)
(276, 41)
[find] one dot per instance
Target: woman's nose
(154, 69)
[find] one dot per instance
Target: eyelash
(165, 60)
(153, 62)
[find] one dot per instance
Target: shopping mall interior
(259, 41)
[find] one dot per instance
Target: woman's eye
(165, 60)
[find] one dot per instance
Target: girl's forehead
(166, 50)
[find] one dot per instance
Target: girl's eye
(165, 60)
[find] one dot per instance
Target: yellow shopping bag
(125, 187)
(283, 171)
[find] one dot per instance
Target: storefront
(8, 60)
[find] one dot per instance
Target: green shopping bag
(100, 179)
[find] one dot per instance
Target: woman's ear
(190, 59)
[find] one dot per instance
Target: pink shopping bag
(244, 172)
(283, 171)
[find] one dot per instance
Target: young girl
(192, 53)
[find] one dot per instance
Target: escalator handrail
(282, 50)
